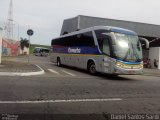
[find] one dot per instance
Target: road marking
(53, 71)
(60, 101)
(68, 73)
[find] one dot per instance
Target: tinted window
(103, 41)
(100, 36)
(106, 48)
(54, 42)
(84, 39)
(68, 41)
(36, 50)
(45, 50)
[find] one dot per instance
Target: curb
(23, 74)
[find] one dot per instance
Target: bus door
(106, 64)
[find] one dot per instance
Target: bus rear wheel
(59, 62)
(92, 68)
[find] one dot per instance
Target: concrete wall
(81, 22)
(154, 53)
(70, 25)
(25, 51)
(10, 47)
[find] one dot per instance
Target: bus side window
(100, 42)
(87, 39)
(99, 38)
(103, 41)
(106, 48)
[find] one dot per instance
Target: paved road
(72, 91)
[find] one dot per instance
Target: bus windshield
(128, 47)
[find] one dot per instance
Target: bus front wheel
(58, 62)
(92, 68)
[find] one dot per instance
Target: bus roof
(109, 28)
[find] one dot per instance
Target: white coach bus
(102, 49)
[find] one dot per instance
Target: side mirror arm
(145, 40)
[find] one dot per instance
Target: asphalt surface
(18, 67)
(70, 93)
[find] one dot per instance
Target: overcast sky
(45, 17)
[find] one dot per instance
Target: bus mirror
(145, 40)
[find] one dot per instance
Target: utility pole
(17, 30)
(1, 45)
(9, 22)
(30, 33)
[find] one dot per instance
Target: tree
(24, 43)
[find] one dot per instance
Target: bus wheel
(92, 68)
(58, 62)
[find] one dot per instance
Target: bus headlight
(128, 66)
(119, 64)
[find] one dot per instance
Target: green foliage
(24, 43)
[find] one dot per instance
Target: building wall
(10, 47)
(142, 29)
(69, 25)
(154, 53)
(25, 51)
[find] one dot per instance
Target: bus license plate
(131, 72)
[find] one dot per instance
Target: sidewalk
(151, 72)
(15, 68)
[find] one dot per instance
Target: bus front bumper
(119, 70)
